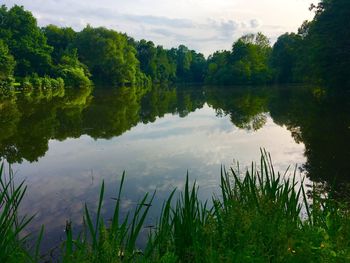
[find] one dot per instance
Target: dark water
(65, 147)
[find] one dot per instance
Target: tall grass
(108, 243)
(12, 240)
(259, 216)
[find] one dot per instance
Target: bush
(42, 87)
(75, 77)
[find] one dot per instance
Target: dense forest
(46, 61)
(38, 59)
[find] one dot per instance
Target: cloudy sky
(203, 25)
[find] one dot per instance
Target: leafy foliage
(320, 50)
(177, 64)
(26, 41)
(7, 62)
(60, 39)
(247, 63)
(317, 53)
(108, 55)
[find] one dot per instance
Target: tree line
(54, 57)
(318, 53)
(51, 58)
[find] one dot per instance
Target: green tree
(74, 73)
(27, 43)
(146, 54)
(320, 51)
(7, 64)
(285, 57)
(165, 70)
(108, 55)
(183, 61)
(247, 63)
(218, 68)
(60, 39)
(198, 66)
(250, 59)
(330, 37)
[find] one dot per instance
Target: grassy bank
(261, 216)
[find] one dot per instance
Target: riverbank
(260, 216)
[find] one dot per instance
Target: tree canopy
(246, 63)
(319, 52)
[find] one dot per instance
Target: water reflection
(317, 118)
(320, 120)
(247, 107)
(66, 146)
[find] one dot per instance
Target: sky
(202, 25)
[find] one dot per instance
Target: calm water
(65, 147)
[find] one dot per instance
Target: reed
(259, 216)
(12, 240)
(107, 243)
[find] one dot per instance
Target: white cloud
(254, 23)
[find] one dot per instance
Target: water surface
(65, 147)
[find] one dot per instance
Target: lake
(64, 147)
